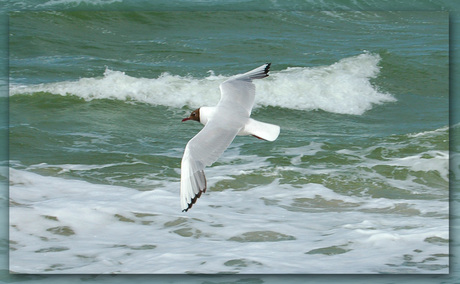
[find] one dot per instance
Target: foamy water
(82, 227)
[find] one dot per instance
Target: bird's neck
(206, 113)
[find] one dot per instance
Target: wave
(441, 130)
(344, 87)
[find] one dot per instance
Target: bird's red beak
(185, 119)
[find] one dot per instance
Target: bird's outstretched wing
(240, 91)
(201, 151)
(232, 112)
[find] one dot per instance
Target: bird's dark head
(195, 115)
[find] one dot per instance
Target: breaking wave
(344, 87)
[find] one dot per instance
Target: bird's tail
(261, 130)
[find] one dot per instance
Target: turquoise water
(361, 163)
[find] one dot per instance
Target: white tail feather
(261, 130)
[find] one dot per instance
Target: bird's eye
(193, 114)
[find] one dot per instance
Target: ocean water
(357, 182)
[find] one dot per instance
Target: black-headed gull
(230, 117)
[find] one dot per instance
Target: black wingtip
(198, 195)
(267, 68)
(194, 199)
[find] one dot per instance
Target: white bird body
(265, 131)
(230, 117)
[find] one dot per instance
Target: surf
(344, 87)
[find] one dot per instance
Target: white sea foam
(343, 87)
(429, 133)
(270, 228)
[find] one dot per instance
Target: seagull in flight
(230, 117)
